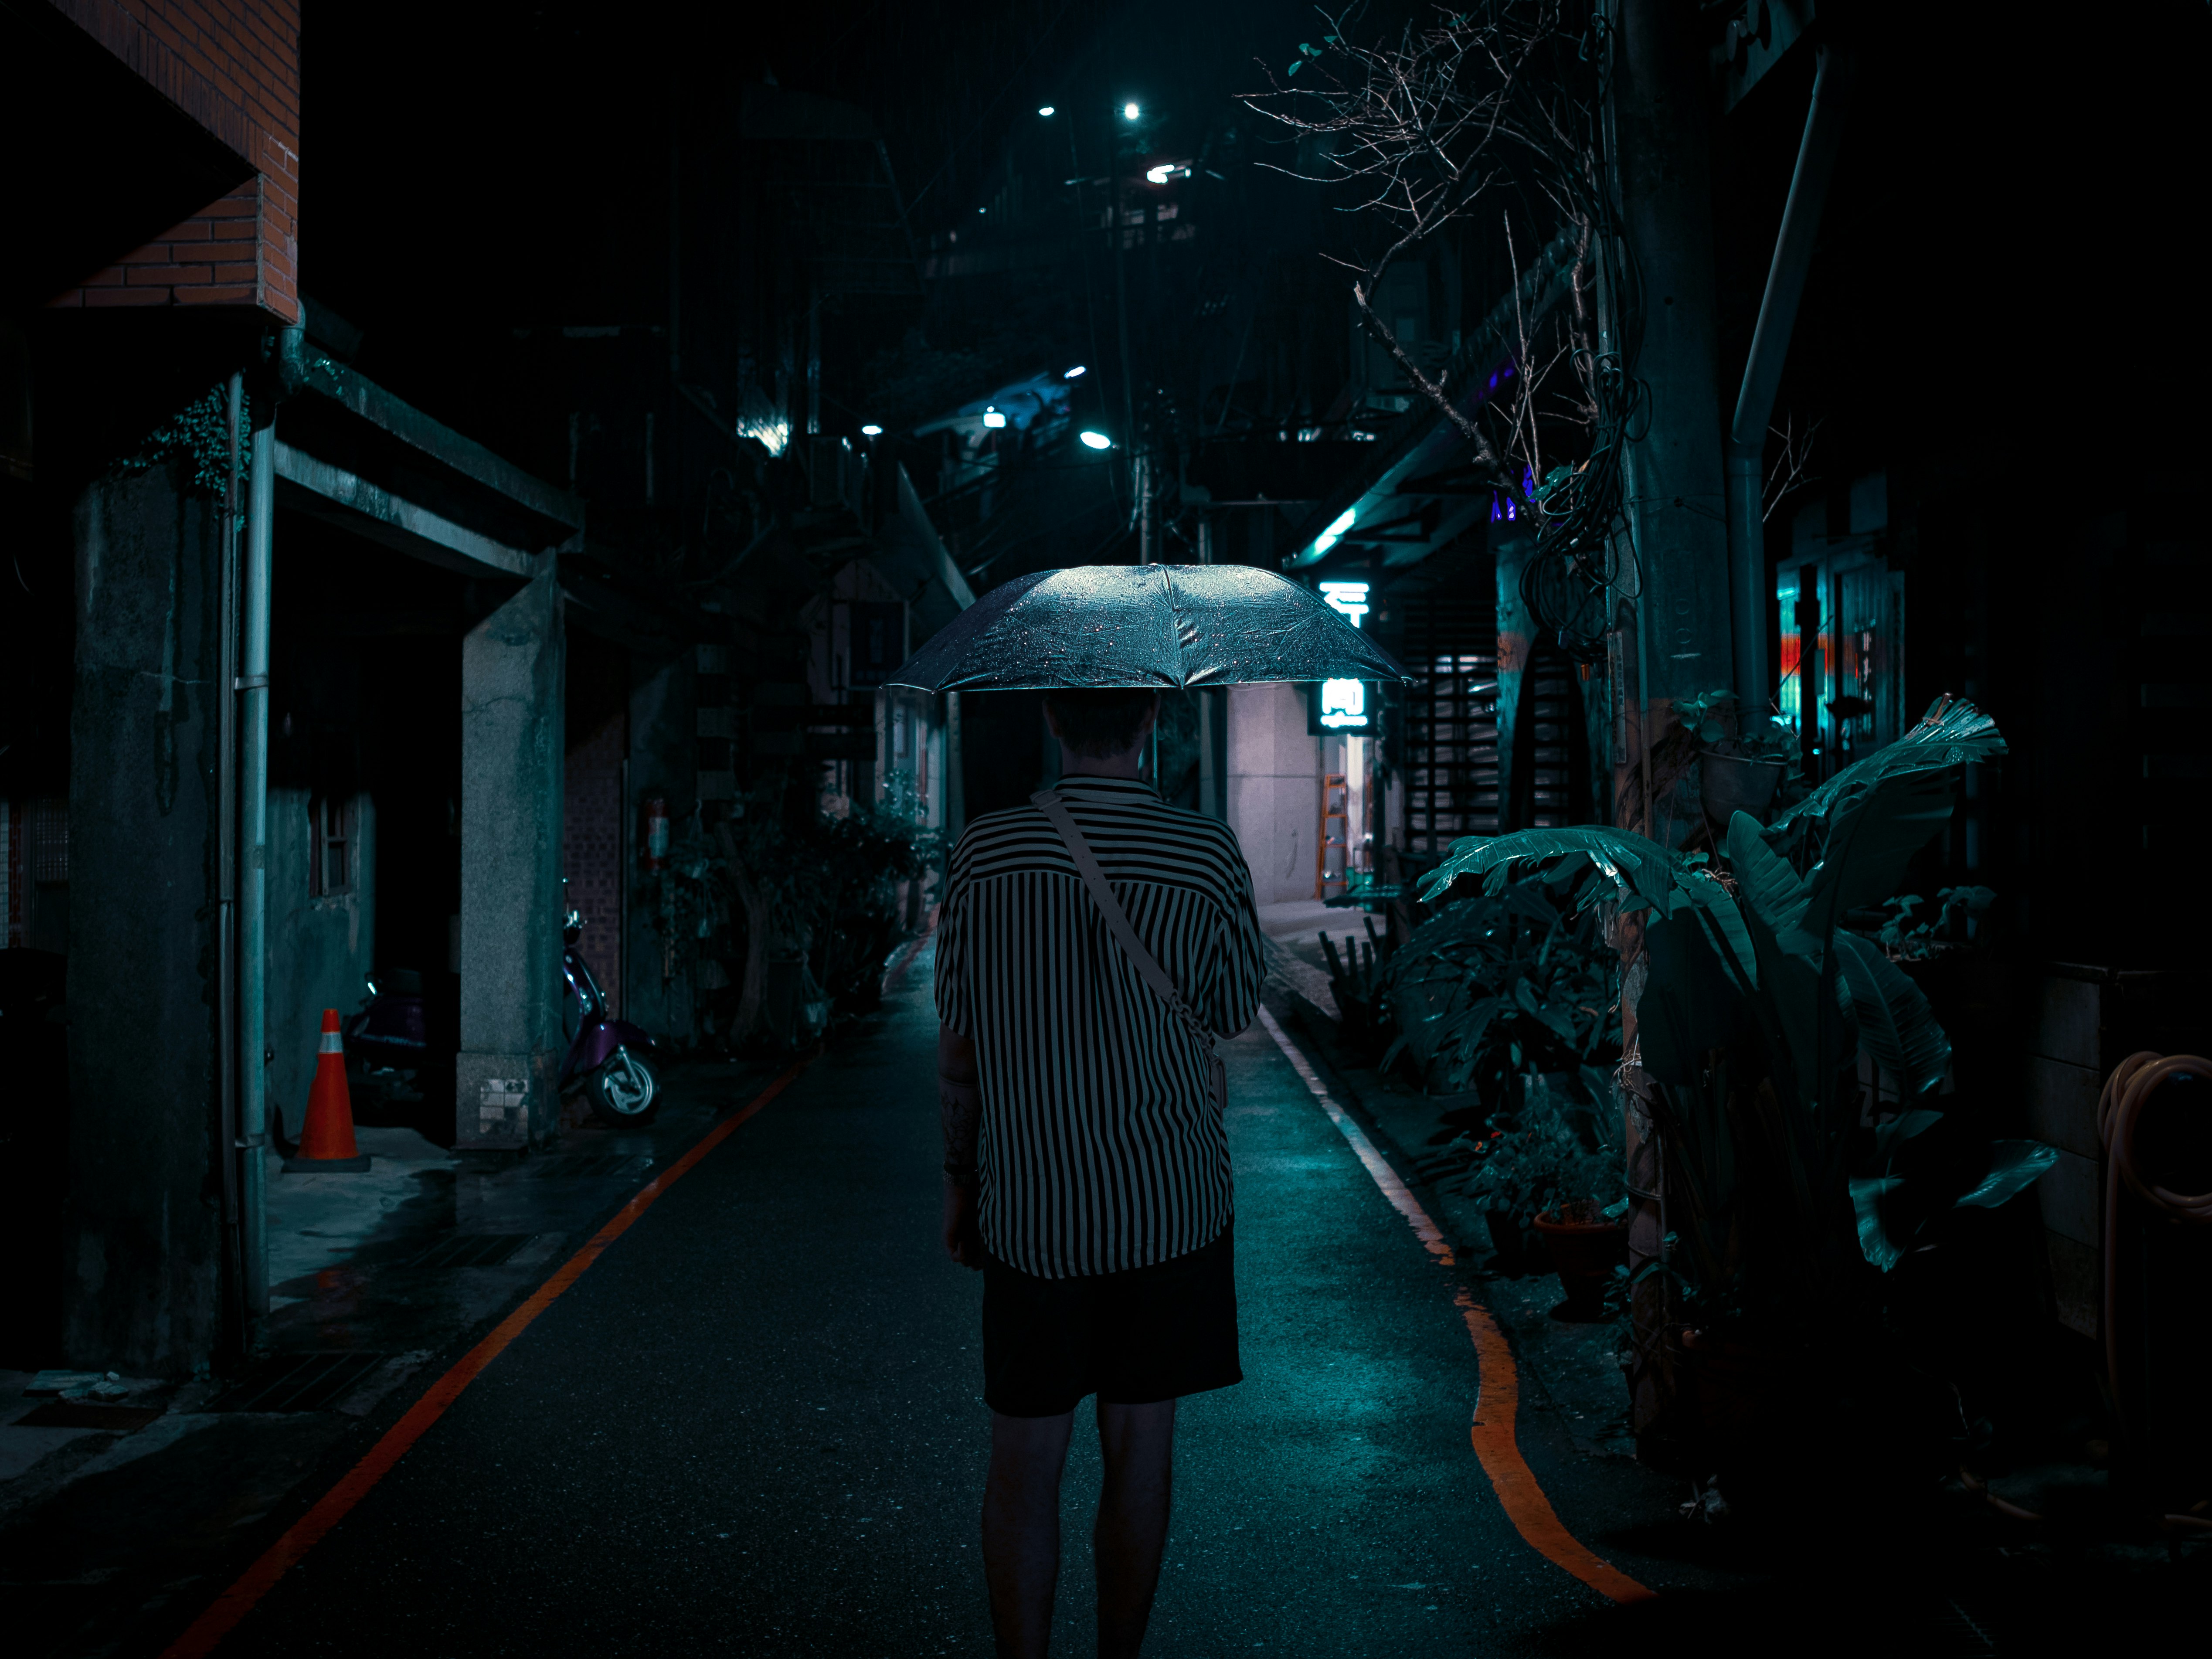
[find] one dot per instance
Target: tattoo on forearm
(960, 1104)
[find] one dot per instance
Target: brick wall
(591, 848)
(233, 66)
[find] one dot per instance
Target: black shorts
(1132, 1338)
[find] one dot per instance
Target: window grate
(46, 842)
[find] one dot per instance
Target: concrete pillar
(143, 1232)
(1274, 788)
(507, 1077)
(1676, 486)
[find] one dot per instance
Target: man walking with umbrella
(1086, 1166)
(1090, 948)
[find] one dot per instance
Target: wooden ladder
(1338, 784)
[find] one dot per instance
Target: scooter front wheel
(624, 1091)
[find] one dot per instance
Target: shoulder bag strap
(1148, 969)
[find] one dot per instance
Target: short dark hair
(1095, 724)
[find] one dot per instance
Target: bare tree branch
(1426, 126)
(1792, 467)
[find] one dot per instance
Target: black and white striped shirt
(1101, 1146)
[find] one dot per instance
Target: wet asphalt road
(754, 1425)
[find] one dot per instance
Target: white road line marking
(1377, 1166)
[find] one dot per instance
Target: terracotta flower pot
(1583, 1255)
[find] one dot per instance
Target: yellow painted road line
(258, 1580)
(1498, 1381)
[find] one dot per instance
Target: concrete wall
(1274, 788)
(505, 1079)
(319, 948)
(142, 1236)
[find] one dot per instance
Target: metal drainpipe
(226, 883)
(253, 685)
(1762, 373)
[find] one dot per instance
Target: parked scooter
(607, 1058)
(399, 1044)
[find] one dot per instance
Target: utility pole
(1660, 155)
(1675, 485)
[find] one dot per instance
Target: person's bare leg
(1138, 1445)
(1021, 1529)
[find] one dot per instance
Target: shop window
(1842, 668)
(330, 850)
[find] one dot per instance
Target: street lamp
(1045, 109)
(1130, 111)
(872, 430)
(1095, 440)
(1075, 373)
(1330, 536)
(992, 417)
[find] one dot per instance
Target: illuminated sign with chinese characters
(1344, 705)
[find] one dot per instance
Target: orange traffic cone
(326, 1143)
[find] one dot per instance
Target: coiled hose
(2120, 1109)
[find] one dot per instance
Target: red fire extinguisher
(656, 831)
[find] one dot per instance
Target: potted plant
(1554, 1168)
(1743, 761)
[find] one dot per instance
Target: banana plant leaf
(1902, 1204)
(2014, 1166)
(1634, 865)
(1767, 886)
(1851, 838)
(1896, 1025)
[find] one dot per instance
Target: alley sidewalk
(122, 1501)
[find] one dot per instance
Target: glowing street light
(992, 417)
(1334, 533)
(1129, 111)
(1075, 373)
(872, 430)
(1045, 109)
(1095, 440)
(1159, 175)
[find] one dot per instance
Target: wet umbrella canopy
(1150, 625)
